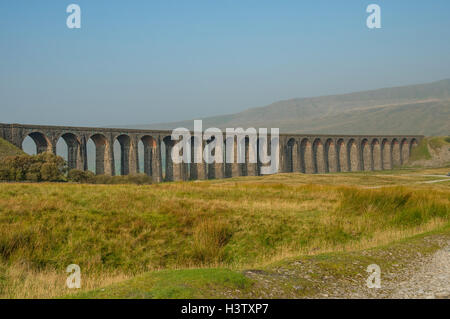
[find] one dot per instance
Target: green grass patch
(420, 152)
(188, 283)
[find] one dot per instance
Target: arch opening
(69, 148)
(172, 171)
(122, 154)
(292, 160)
(36, 143)
(148, 156)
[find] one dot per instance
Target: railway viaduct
(297, 153)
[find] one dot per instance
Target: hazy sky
(136, 62)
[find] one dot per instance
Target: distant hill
(414, 109)
(7, 149)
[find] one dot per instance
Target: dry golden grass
(28, 283)
(117, 231)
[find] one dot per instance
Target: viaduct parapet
(298, 152)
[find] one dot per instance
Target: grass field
(204, 233)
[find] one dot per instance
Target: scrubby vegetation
(35, 168)
(115, 232)
(46, 167)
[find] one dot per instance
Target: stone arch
(319, 157)
(232, 167)
(104, 163)
(292, 156)
(173, 171)
(396, 153)
(244, 147)
(72, 151)
(196, 170)
(125, 147)
(169, 167)
(331, 156)
(405, 149)
(42, 142)
(377, 157)
(367, 161)
(306, 156)
(342, 156)
(353, 156)
(386, 150)
(152, 157)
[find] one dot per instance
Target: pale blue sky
(136, 62)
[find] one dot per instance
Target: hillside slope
(7, 149)
(415, 109)
(431, 152)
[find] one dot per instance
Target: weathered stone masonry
(298, 153)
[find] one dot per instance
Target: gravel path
(413, 275)
(432, 280)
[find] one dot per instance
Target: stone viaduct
(298, 153)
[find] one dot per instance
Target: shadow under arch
(72, 150)
(41, 142)
(292, 159)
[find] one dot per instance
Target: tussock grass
(119, 231)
